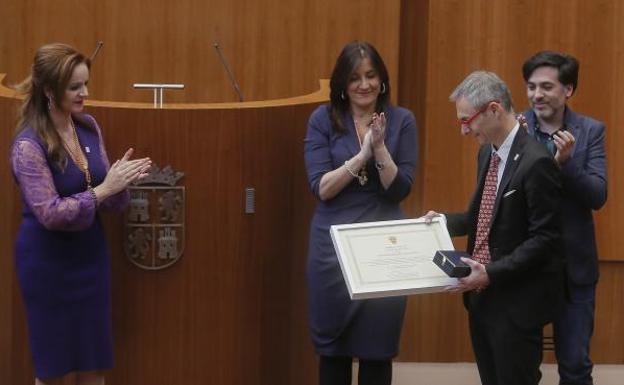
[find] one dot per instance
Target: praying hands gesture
(366, 150)
(378, 130)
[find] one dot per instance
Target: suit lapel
(484, 163)
(571, 120)
(513, 160)
(482, 166)
(531, 121)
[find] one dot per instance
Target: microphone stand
(225, 64)
(97, 50)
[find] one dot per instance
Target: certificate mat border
(359, 291)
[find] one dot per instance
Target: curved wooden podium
(232, 310)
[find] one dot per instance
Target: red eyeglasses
(466, 122)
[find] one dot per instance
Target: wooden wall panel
(463, 36)
(413, 80)
(233, 289)
(440, 42)
(607, 346)
(5, 255)
(232, 310)
(6, 243)
(276, 49)
(15, 363)
(499, 38)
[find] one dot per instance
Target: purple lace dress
(61, 256)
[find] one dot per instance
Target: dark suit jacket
(584, 178)
(526, 269)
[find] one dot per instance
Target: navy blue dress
(367, 329)
(61, 256)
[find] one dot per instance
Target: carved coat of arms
(154, 230)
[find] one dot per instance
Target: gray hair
(481, 87)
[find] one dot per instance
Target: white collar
(503, 150)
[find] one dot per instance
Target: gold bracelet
(353, 174)
(94, 195)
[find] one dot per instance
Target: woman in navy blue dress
(360, 155)
(61, 256)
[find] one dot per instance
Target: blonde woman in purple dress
(61, 255)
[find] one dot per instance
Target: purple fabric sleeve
(119, 201)
(33, 175)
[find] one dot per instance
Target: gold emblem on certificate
(392, 258)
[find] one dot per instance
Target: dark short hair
(567, 65)
(348, 61)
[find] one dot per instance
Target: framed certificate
(392, 258)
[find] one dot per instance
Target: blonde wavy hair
(51, 72)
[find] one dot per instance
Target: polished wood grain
(7, 223)
(463, 36)
(227, 306)
(500, 38)
(275, 49)
(232, 310)
(15, 363)
(413, 80)
(5, 239)
(607, 346)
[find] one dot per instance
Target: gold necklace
(80, 159)
(362, 175)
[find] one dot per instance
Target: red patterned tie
(481, 252)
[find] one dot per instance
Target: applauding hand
(121, 173)
(564, 141)
(378, 129)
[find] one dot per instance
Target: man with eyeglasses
(577, 144)
(516, 279)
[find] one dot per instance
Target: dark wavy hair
(51, 71)
(567, 65)
(348, 61)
